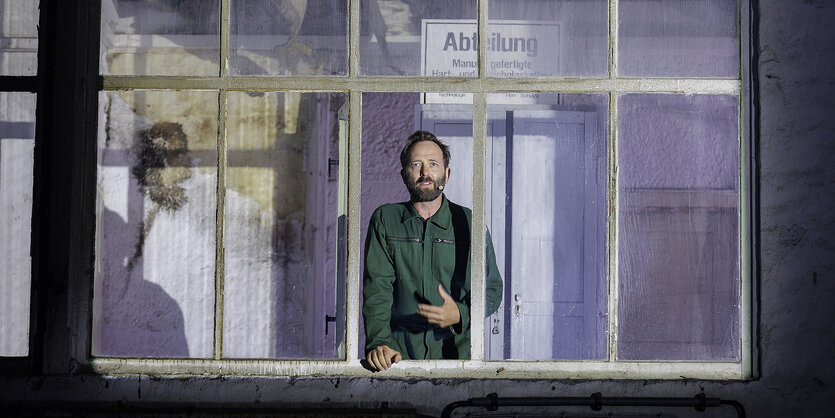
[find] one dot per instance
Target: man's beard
(419, 194)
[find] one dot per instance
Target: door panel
(548, 234)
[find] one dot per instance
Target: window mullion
(220, 262)
(354, 224)
(478, 253)
(612, 191)
(225, 17)
(482, 39)
(430, 84)
(612, 222)
(220, 218)
(353, 38)
(613, 38)
(749, 184)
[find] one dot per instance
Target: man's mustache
(423, 179)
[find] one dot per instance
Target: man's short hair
(420, 136)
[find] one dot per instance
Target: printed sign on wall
(515, 49)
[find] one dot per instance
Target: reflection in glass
(160, 37)
(281, 283)
(546, 208)
(17, 145)
(289, 37)
(395, 35)
(155, 224)
(547, 38)
(693, 38)
(678, 227)
(19, 37)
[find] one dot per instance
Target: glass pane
(282, 183)
(546, 210)
(393, 288)
(289, 37)
(547, 38)
(160, 37)
(679, 227)
(17, 145)
(19, 37)
(404, 37)
(155, 224)
(678, 38)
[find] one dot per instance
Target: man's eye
(415, 165)
(434, 164)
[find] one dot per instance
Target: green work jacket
(406, 257)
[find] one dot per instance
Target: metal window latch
(331, 164)
(517, 310)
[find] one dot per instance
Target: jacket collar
(442, 218)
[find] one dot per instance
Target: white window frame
(477, 367)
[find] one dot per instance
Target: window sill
(468, 369)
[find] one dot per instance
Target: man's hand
(444, 315)
(382, 357)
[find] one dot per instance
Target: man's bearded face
(425, 193)
(426, 173)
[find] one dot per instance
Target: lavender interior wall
(795, 342)
(387, 120)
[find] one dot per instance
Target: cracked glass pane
(155, 224)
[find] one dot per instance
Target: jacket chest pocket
(450, 261)
(406, 254)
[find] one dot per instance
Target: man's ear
(448, 172)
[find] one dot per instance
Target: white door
(545, 203)
(557, 244)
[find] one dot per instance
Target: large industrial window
(243, 145)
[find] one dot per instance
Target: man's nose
(423, 169)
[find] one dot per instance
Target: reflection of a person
(137, 317)
(416, 284)
(162, 164)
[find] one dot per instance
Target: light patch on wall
(254, 183)
(291, 111)
(195, 111)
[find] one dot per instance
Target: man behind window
(416, 284)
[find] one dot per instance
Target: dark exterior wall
(797, 254)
